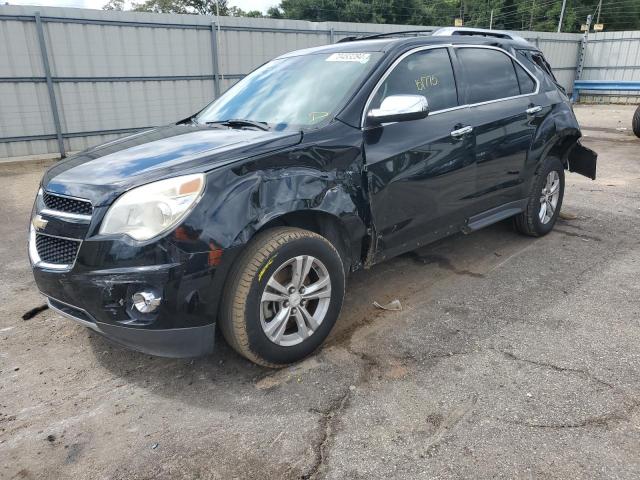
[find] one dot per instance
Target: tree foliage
(199, 7)
(542, 15)
(539, 15)
(117, 5)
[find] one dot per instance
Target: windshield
(293, 92)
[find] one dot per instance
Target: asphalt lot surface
(512, 358)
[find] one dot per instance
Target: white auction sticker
(349, 57)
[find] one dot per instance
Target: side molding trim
(494, 215)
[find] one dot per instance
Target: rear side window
(527, 84)
(428, 73)
(489, 74)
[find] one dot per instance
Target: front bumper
(183, 325)
(98, 294)
(93, 279)
(174, 342)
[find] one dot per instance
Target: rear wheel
(283, 296)
(636, 122)
(545, 200)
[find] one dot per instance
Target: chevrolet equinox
(250, 214)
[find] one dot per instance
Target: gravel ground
(512, 358)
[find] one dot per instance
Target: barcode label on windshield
(349, 57)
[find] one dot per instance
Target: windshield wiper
(240, 122)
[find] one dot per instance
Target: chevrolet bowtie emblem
(39, 223)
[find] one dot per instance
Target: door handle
(461, 131)
(532, 110)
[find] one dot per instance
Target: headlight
(149, 210)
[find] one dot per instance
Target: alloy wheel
(295, 300)
(549, 197)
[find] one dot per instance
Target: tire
(530, 222)
(247, 310)
(635, 124)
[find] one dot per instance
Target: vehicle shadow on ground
(225, 372)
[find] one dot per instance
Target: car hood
(102, 173)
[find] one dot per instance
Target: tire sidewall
(549, 165)
(635, 123)
(259, 343)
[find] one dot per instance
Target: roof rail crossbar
(384, 34)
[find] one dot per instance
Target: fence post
(52, 93)
(583, 49)
(581, 54)
(214, 60)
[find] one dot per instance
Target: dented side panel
(575, 156)
(315, 176)
(318, 176)
(558, 134)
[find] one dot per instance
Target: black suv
(249, 214)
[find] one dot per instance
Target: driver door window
(428, 73)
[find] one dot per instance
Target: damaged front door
(421, 173)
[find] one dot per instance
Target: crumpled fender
(559, 134)
(241, 199)
(302, 189)
(576, 157)
(543, 139)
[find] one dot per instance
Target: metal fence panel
(612, 56)
(19, 50)
(115, 72)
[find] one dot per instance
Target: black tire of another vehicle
(635, 124)
(242, 312)
(529, 222)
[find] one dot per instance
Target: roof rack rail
(482, 32)
(384, 34)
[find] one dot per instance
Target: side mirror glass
(399, 108)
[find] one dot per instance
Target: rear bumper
(172, 342)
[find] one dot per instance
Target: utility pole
(533, 7)
(491, 20)
(564, 4)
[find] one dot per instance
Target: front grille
(66, 204)
(57, 251)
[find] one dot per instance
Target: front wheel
(283, 296)
(545, 200)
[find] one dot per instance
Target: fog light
(146, 302)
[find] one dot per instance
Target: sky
(261, 5)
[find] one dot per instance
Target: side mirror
(399, 108)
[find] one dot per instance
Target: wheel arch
(574, 156)
(327, 202)
(324, 223)
(555, 136)
(561, 148)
